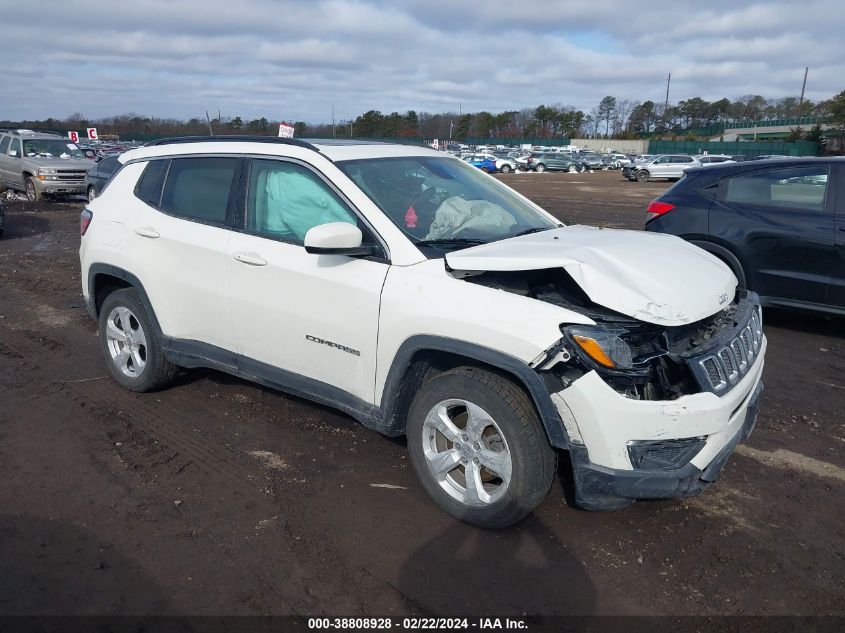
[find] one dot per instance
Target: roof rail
(239, 138)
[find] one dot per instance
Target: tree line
(610, 118)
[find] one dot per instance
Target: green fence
(799, 148)
(807, 121)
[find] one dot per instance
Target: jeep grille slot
(720, 370)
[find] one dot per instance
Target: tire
(506, 169)
(642, 176)
(145, 367)
(92, 192)
(485, 170)
(32, 193)
(572, 169)
(511, 437)
(540, 168)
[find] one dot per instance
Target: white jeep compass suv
(423, 297)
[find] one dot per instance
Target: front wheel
(478, 447)
(131, 345)
(540, 168)
(32, 193)
(642, 176)
(505, 169)
(573, 169)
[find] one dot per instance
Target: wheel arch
(103, 279)
(422, 357)
(727, 256)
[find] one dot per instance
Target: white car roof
(333, 149)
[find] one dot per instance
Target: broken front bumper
(606, 428)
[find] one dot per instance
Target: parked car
(779, 224)
(713, 159)
(554, 162)
(630, 170)
(99, 174)
(591, 160)
(620, 160)
(422, 298)
(484, 163)
(667, 166)
(39, 163)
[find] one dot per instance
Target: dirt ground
(217, 496)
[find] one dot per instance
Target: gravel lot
(217, 496)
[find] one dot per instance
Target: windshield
(51, 147)
(444, 203)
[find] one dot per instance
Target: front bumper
(601, 488)
(602, 426)
(59, 186)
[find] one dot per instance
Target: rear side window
(802, 188)
(200, 188)
(150, 182)
(4, 144)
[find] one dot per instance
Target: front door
(302, 319)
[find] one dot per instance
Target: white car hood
(652, 277)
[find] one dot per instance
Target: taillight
(85, 221)
(656, 208)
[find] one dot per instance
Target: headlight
(602, 346)
(43, 170)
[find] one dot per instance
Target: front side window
(55, 148)
(444, 203)
(285, 200)
(796, 188)
(200, 188)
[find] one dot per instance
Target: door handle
(147, 231)
(252, 259)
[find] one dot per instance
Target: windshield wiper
(535, 229)
(446, 241)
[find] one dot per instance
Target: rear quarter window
(149, 184)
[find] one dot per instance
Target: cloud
(299, 59)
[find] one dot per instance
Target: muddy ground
(217, 496)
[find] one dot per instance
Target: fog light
(664, 454)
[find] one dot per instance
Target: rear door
(779, 221)
(177, 237)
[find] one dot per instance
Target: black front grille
(725, 364)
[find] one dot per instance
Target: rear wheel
(485, 170)
(478, 447)
(642, 176)
(573, 169)
(505, 169)
(131, 345)
(92, 193)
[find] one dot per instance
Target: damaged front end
(639, 360)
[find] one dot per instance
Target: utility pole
(207, 118)
(803, 87)
(666, 103)
(334, 130)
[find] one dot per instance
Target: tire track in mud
(136, 414)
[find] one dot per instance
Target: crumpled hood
(652, 277)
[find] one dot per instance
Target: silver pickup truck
(39, 163)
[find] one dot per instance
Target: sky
(301, 59)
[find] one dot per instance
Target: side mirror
(336, 238)
(13, 153)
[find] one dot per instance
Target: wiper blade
(534, 229)
(449, 240)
